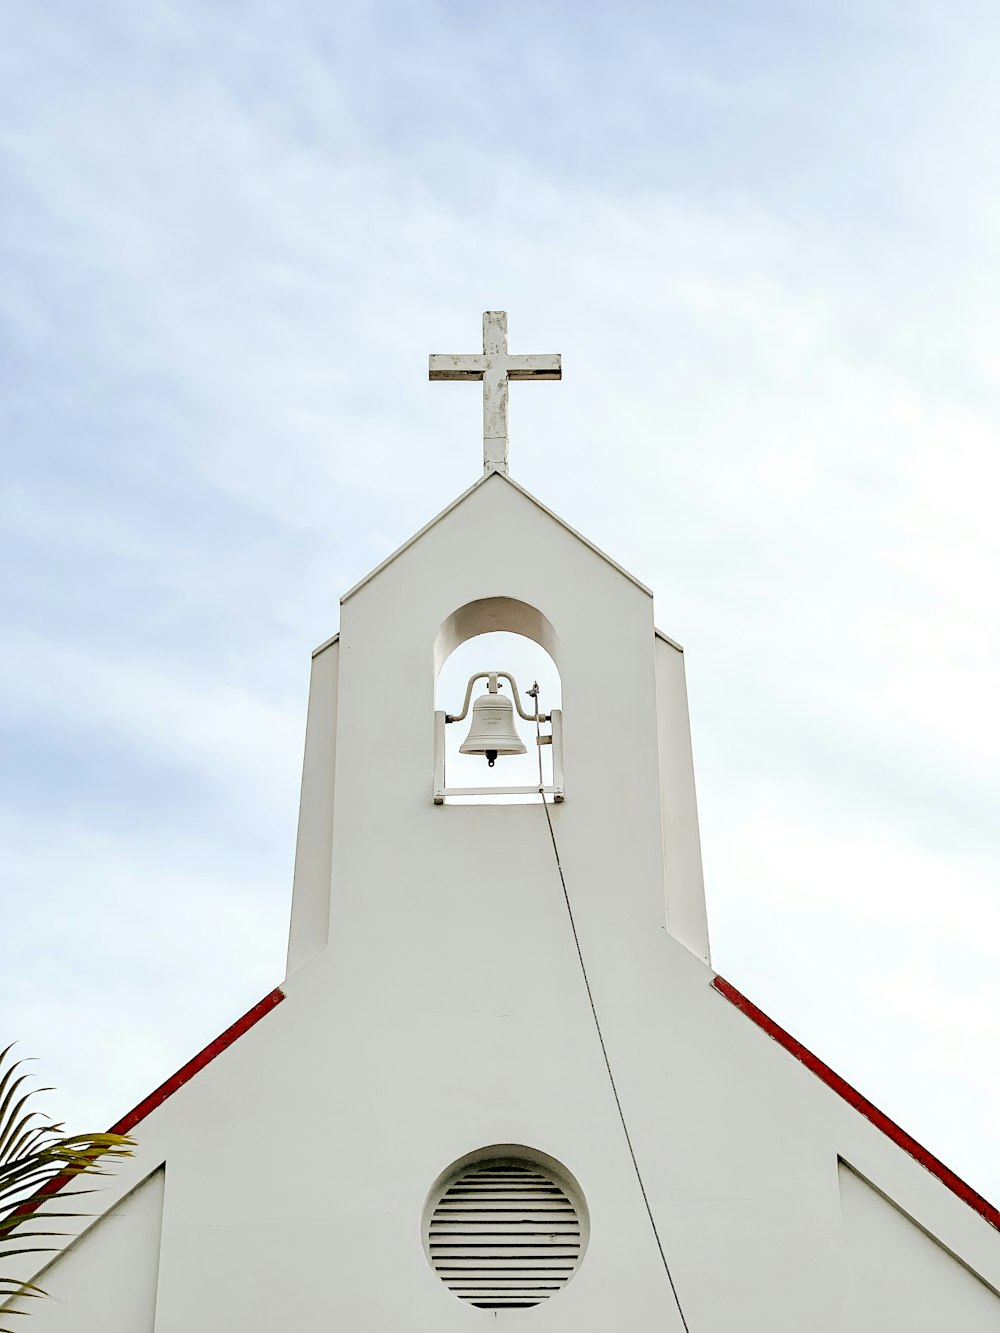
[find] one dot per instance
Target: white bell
(492, 731)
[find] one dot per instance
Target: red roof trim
(854, 1098)
(204, 1057)
(167, 1089)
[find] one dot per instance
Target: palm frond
(38, 1161)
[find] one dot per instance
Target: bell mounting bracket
(494, 677)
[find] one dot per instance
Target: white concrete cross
(495, 368)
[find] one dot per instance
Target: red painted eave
(854, 1098)
(197, 1063)
(184, 1075)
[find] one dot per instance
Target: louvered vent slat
(504, 1234)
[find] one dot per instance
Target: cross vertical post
(496, 368)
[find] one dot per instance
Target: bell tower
(620, 784)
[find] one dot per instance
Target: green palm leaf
(38, 1164)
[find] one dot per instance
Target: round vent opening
(504, 1233)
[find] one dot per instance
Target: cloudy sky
(764, 237)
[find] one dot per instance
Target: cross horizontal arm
(538, 367)
(444, 367)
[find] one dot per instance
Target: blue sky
(764, 238)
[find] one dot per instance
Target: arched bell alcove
(488, 615)
(496, 634)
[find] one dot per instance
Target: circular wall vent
(504, 1233)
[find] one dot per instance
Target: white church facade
(501, 1083)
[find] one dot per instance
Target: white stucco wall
(899, 1277)
(309, 927)
(684, 883)
(106, 1281)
